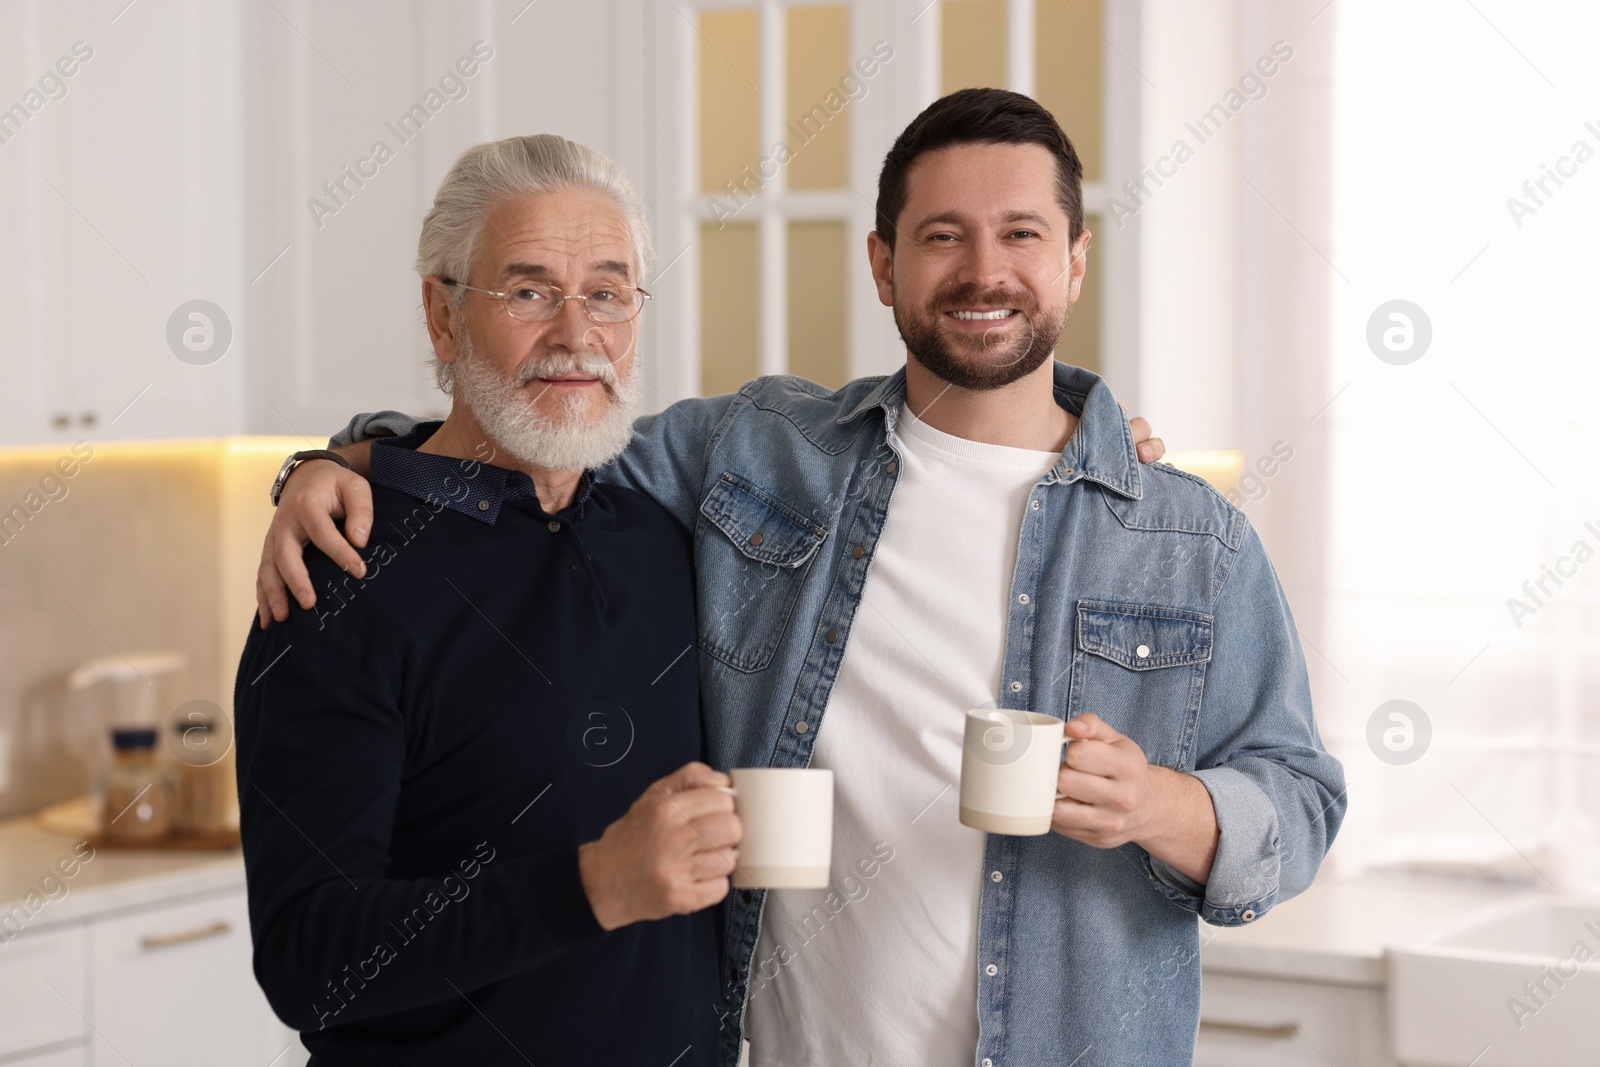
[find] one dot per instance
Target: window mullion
(774, 232)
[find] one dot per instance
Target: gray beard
(567, 441)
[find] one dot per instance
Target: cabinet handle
(1278, 1032)
(199, 933)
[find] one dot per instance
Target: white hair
(489, 173)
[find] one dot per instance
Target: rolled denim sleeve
(1279, 796)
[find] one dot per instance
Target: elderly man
(972, 530)
(469, 779)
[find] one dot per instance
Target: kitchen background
(1342, 261)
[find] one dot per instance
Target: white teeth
(971, 315)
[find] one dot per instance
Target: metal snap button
(756, 538)
(1143, 652)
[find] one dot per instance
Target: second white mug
(787, 814)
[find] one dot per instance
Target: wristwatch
(298, 458)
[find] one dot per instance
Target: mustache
(554, 366)
(968, 295)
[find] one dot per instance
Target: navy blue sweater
(422, 753)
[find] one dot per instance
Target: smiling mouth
(971, 315)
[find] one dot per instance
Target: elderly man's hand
(317, 493)
(1150, 449)
(671, 854)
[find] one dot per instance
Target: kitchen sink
(1515, 985)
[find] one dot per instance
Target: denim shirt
(1139, 594)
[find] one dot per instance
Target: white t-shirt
(882, 968)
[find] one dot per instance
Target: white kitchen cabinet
(1248, 1021)
(120, 200)
(229, 153)
(338, 179)
(174, 986)
(43, 991)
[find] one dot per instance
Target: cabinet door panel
(1262, 1022)
(42, 989)
(174, 986)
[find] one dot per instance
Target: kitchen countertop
(1336, 931)
(112, 880)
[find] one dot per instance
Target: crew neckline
(976, 453)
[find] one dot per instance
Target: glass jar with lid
(138, 790)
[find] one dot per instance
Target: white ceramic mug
(1010, 761)
(787, 814)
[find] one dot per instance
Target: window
(763, 266)
(1464, 569)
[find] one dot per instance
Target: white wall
(1189, 372)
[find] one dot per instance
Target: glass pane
(817, 273)
(1080, 340)
(1068, 53)
(817, 107)
(730, 305)
(730, 104)
(972, 44)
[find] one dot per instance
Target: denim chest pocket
(1141, 668)
(753, 551)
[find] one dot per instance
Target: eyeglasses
(537, 302)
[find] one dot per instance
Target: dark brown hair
(978, 116)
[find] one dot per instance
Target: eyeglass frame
(561, 304)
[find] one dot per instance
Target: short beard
(568, 441)
(920, 330)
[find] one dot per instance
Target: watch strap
(298, 458)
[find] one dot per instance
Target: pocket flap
(761, 526)
(1143, 637)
